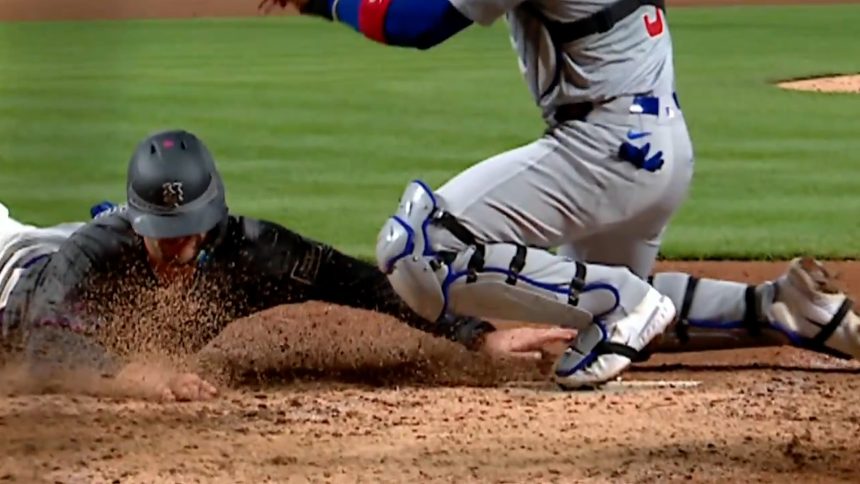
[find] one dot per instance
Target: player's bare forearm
(419, 24)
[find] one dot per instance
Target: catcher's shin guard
(504, 281)
(436, 265)
(802, 308)
(405, 255)
(501, 280)
(714, 314)
(21, 245)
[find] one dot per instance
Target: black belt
(573, 112)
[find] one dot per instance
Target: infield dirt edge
(829, 84)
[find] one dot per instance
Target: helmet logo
(172, 193)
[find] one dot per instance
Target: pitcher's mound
(848, 83)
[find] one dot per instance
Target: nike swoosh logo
(631, 135)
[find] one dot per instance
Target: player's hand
(526, 343)
(153, 382)
(187, 387)
(266, 6)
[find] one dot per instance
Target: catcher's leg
(437, 266)
(471, 250)
(477, 247)
(718, 314)
(712, 314)
(803, 308)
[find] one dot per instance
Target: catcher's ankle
(846, 339)
(758, 301)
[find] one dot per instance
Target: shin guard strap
(577, 284)
(476, 263)
(605, 348)
(751, 319)
(517, 263)
(450, 223)
(834, 323)
(686, 304)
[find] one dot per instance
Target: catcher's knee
(404, 253)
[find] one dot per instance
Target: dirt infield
(318, 393)
(350, 396)
(831, 84)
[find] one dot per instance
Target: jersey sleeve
(350, 281)
(45, 313)
(298, 268)
(55, 285)
(484, 12)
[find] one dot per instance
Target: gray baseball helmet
(173, 187)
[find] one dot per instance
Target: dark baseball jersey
(100, 280)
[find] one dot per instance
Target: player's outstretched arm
(289, 268)
(44, 317)
(367, 287)
(354, 282)
(419, 24)
(45, 322)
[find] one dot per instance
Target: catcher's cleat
(813, 312)
(601, 352)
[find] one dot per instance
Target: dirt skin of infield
(350, 396)
(320, 393)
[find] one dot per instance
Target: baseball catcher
(63, 287)
(602, 183)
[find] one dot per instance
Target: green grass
(319, 129)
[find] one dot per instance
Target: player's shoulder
(104, 234)
(117, 222)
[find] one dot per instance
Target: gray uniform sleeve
(484, 12)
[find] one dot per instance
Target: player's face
(175, 251)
